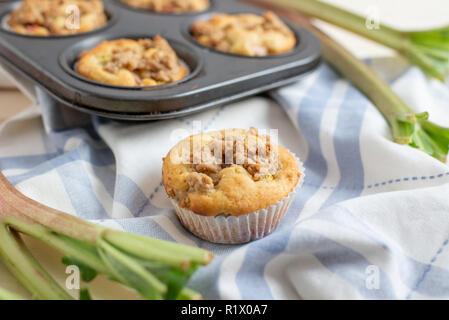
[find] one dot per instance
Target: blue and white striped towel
(371, 221)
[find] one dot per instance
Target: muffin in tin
(169, 6)
(57, 17)
(245, 34)
(230, 186)
(128, 62)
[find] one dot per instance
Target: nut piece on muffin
(53, 17)
(219, 178)
(127, 62)
(245, 34)
(169, 6)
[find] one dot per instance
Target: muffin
(127, 62)
(230, 186)
(53, 17)
(245, 34)
(169, 6)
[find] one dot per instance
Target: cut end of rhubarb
(402, 140)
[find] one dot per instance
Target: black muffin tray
(215, 78)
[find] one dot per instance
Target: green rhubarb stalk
(89, 256)
(427, 49)
(155, 269)
(26, 269)
(400, 117)
(63, 244)
(6, 295)
(407, 126)
(188, 294)
(122, 266)
(136, 244)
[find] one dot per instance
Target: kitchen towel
(370, 222)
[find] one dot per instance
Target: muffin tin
(215, 78)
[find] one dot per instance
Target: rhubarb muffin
(245, 34)
(230, 186)
(127, 62)
(57, 17)
(169, 6)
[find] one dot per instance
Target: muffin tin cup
(111, 15)
(179, 14)
(188, 58)
(238, 229)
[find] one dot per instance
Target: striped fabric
(371, 221)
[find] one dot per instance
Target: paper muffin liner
(238, 229)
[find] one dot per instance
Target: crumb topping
(246, 34)
(199, 182)
(50, 17)
(229, 172)
(153, 59)
(169, 6)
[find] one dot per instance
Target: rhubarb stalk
(26, 269)
(6, 295)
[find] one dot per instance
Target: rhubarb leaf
(174, 278)
(129, 271)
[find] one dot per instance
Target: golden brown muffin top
(54, 17)
(127, 62)
(246, 34)
(169, 6)
(228, 172)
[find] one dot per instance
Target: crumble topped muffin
(49, 17)
(127, 62)
(245, 34)
(228, 173)
(169, 6)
